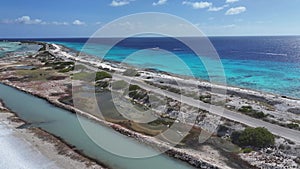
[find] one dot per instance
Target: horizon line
(86, 37)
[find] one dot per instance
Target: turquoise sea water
(269, 64)
(8, 47)
(17, 48)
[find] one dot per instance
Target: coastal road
(293, 135)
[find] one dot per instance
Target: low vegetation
(253, 137)
(35, 75)
(292, 125)
(43, 48)
(247, 150)
(89, 76)
(134, 87)
(131, 72)
(63, 67)
(118, 85)
(137, 93)
(168, 88)
(248, 110)
(102, 75)
(205, 98)
(84, 76)
(102, 84)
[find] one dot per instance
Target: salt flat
(16, 152)
(23, 149)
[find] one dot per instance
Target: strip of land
(33, 148)
(50, 79)
(287, 133)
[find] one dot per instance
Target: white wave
(269, 53)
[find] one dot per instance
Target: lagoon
(64, 124)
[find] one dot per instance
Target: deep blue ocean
(269, 64)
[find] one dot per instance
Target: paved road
(287, 133)
(290, 134)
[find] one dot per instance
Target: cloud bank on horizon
(27, 20)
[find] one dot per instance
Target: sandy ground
(23, 149)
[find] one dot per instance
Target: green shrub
(235, 137)
(292, 125)
(67, 69)
(247, 150)
(245, 109)
(205, 98)
(102, 84)
(134, 87)
(102, 75)
(137, 95)
(259, 115)
(174, 90)
(248, 110)
(256, 137)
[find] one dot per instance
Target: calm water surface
(66, 125)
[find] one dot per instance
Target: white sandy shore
(16, 152)
(22, 149)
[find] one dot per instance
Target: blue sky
(74, 18)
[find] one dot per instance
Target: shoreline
(168, 75)
(283, 104)
(177, 153)
(50, 149)
(179, 76)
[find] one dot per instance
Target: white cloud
(215, 9)
(198, 5)
(28, 20)
(60, 23)
(160, 2)
(78, 22)
(116, 3)
(231, 1)
(236, 10)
